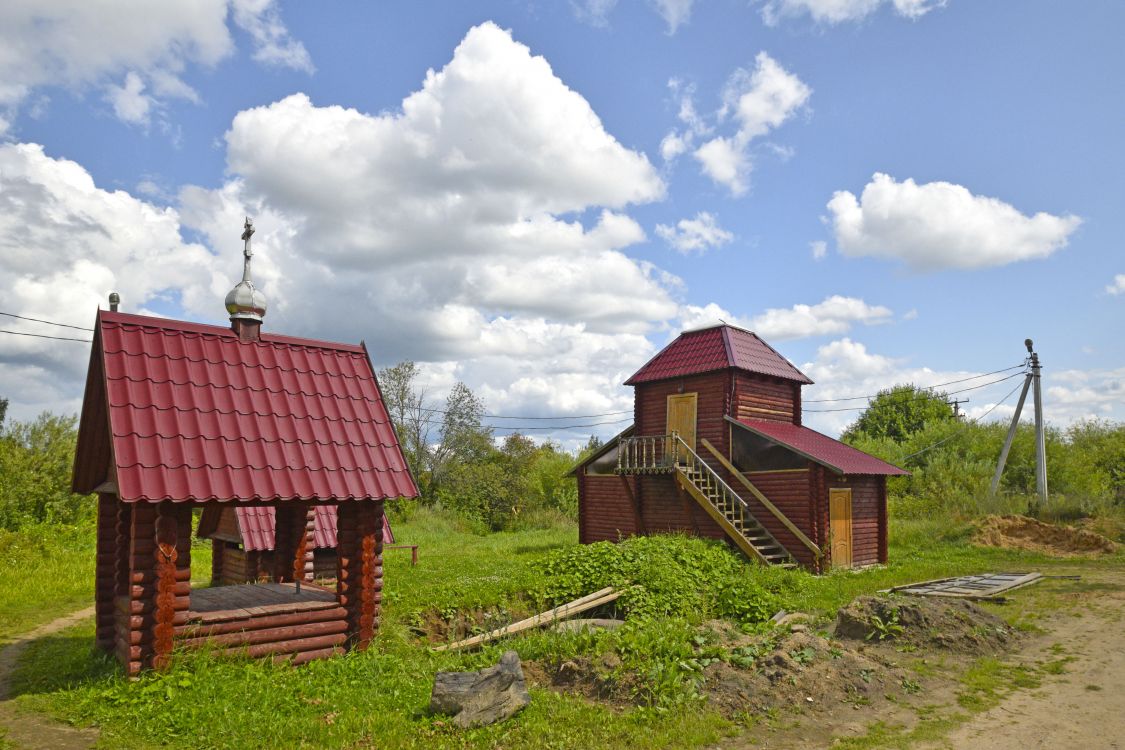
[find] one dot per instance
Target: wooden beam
(561, 612)
(762, 498)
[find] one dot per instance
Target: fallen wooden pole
(590, 601)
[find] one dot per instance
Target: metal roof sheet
(258, 524)
(717, 348)
(837, 456)
(196, 414)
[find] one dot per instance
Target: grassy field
(378, 698)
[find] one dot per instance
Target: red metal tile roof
(257, 525)
(837, 456)
(196, 414)
(716, 348)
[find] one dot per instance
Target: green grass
(378, 698)
(45, 572)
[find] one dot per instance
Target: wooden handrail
(762, 498)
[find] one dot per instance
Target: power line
(48, 322)
(512, 416)
(970, 422)
(44, 336)
(928, 387)
(919, 395)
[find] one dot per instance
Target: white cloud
(129, 46)
(845, 368)
(596, 12)
(840, 11)
(129, 101)
(674, 12)
(758, 101)
(479, 229)
(64, 245)
(1118, 285)
(699, 234)
(940, 225)
(272, 43)
(819, 249)
(834, 315)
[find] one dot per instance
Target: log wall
(299, 636)
(650, 406)
(791, 492)
(606, 508)
(758, 397)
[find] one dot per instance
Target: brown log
(181, 588)
(289, 647)
(196, 630)
(140, 622)
(149, 576)
(144, 606)
(269, 635)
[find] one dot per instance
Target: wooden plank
(582, 604)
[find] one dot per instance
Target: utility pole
(956, 403)
(1032, 380)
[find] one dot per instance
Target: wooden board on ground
(582, 604)
(984, 586)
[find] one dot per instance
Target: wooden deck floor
(219, 603)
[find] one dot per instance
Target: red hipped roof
(195, 414)
(258, 525)
(837, 456)
(717, 348)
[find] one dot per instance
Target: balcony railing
(649, 454)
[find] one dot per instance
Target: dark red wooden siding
(605, 511)
(765, 398)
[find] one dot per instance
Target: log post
(135, 603)
(303, 563)
(359, 567)
(285, 539)
(218, 546)
(164, 556)
(105, 572)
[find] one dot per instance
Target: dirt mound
(1021, 532)
(805, 672)
(946, 624)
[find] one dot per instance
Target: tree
(3, 410)
(899, 412)
(464, 438)
(35, 465)
(413, 419)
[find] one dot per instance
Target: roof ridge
(160, 325)
(177, 358)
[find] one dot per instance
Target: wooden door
(840, 521)
(681, 417)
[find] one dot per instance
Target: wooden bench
(413, 551)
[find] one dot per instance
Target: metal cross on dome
(247, 232)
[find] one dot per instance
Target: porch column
(359, 567)
(172, 569)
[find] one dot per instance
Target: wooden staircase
(670, 454)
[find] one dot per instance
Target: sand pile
(1021, 532)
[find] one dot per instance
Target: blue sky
(534, 197)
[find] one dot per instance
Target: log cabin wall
(606, 511)
(759, 397)
(867, 508)
(790, 491)
(105, 572)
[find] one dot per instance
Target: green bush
(664, 576)
(35, 466)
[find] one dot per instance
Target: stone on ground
(481, 697)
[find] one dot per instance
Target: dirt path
(1084, 707)
(31, 731)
